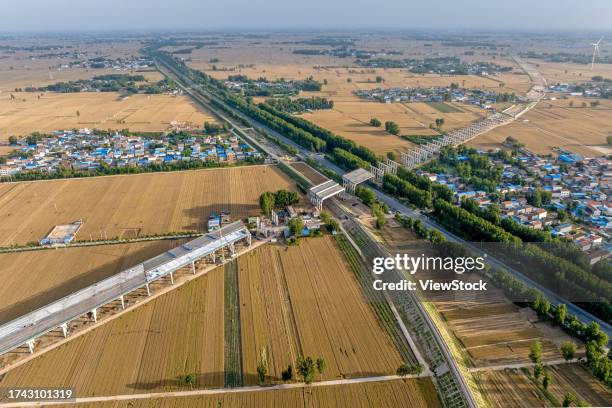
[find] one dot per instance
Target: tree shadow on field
(39, 299)
(359, 125)
(202, 380)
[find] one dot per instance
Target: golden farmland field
(350, 118)
(146, 349)
(22, 68)
(566, 72)
(268, 60)
(351, 115)
(103, 110)
(292, 300)
(305, 300)
(133, 205)
(557, 124)
(418, 393)
(33, 279)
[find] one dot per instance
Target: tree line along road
(395, 205)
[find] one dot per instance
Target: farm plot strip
(176, 202)
(233, 348)
(377, 302)
(305, 301)
(267, 323)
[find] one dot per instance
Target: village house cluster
(119, 64)
(482, 98)
(265, 87)
(579, 187)
(440, 64)
(596, 89)
(88, 150)
(260, 87)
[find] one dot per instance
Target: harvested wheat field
(408, 393)
(30, 112)
(583, 384)
(351, 115)
(567, 72)
(37, 68)
(495, 333)
(509, 388)
(557, 124)
(306, 301)
(350, 118)
(147, 349)
(33, 279)
(39, 73)
(314, 176)
(273, 65)
(491, 329)
(133, 205)
(513, 388)
(456, 115)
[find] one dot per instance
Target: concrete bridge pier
(30, 344)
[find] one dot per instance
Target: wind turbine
(595, 52)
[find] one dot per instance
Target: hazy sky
(63, 15)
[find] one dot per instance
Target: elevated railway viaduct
(25, 329)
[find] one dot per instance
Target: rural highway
(397, 206)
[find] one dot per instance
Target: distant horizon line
(309, 30)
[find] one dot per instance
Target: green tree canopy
(305, 368)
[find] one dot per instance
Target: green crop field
(444, 107)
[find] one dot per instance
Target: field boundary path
(501, 367)
(216, 391)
